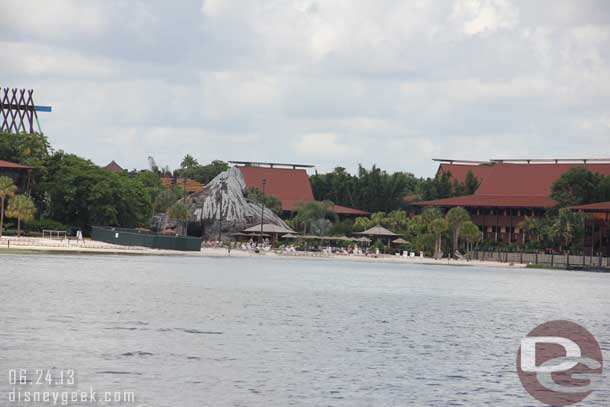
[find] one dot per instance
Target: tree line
(68, 190)
(376, 190)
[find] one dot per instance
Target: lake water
(196, 331)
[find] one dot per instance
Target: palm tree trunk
(2, 216)
(18, 227)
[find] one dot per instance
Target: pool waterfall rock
(222, 204)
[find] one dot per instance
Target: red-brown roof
(492, 200)
(412, 198)
(290, 186)
(599, 206)
(114, 167)
(528, 179)
(8, 164)
(514, 185)
(344, 210)
(459, 171)
(186, 184)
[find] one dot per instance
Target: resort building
(598, 238)
(114, 167)
(19, 173)
(509, 190)
(186, 184)
(288, 183)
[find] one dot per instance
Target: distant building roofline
(524, 161)
(270, 165)
(550, 160)
(454, 161)
(9, 164)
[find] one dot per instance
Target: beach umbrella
(269, 228)
(378, 231)
(290, 236)
(400, 240)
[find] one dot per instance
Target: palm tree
(22, 208)
(567, 226)
(438, 227)
(532, 227)
(471, 232)
(309, 212)
(456, 218)
(7, 190)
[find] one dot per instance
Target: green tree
(189, 162)
(21, 208)
(374, 190)
(566, 227)
(190, 168)
(532, 227)
(577, 186)
(309, 212)
(7, 190)
(254, 194)
(445, 186)
(166, 197)
(83, 194)
(456, 217)
(24, 148)
(438, 227)
(31, 149)
(471, 183)
(471, 233)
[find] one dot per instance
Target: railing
(551, 260)
(8, 242)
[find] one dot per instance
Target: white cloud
(333, 82)
(325, 145)
(477, 16)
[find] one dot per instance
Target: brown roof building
(19, 173)
(186, 184)
(287, 182)
(509, 191)
(113, 167)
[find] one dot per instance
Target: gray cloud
(330, 83)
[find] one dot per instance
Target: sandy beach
(39, 245)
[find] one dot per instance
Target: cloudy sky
(326, 82)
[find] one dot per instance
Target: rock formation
(221, 204)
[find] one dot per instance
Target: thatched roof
(377, 231)
(400, 240)
(268, 228)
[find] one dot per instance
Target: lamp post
(260, 241)
(220, 219)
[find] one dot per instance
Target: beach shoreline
(15, 245)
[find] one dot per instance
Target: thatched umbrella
(269, 228)
(400, 240)
(377, 231)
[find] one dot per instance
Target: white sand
(89, 246)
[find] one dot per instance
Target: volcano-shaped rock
(222, 204)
